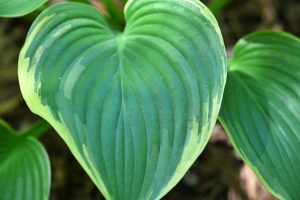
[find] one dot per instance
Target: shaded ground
(217, 174)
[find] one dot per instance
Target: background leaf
(24, 164)
(16, 8)
(216, 6)
(135, 108)
(261, 108)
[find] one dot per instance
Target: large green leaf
(24, 164)
(261, 108)
(135, 108)
(15, 8)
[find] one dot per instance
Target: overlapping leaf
(15, 8)
(24, 165)
(136, 108)
(261, 108)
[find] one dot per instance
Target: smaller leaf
(24, 164)
(17, 8)
(261, 108)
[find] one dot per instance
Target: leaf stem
(38, 129)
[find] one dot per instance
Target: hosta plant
(136, 107)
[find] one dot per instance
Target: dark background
(218, 173)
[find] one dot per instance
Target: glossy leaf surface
(16, 8)
(261, 108)
(136, 108)
(24, 165)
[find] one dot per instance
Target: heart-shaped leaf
(16, 8)
(261, 108)
(24, 164)
(136, 108)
